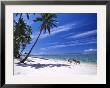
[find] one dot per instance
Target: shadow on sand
(38, 65)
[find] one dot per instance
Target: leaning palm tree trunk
(47, 23)
(20, 53)
(22, 61)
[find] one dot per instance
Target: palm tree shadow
(38, 65)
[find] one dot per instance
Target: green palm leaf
(47, 20)
(38, 19)
(28, 16)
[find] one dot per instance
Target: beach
(41, 66)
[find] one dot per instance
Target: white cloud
(83, 34)
(69, 34)
(90, 50)
(81, 40)
(57, 30)
(65, 45)
(53, 43)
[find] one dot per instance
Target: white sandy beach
(37, 66)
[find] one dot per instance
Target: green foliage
(22, 31)
(48, 21)
(22, 37)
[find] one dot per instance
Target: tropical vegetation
(22, 36)
(22, 32)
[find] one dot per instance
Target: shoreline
(38, 66)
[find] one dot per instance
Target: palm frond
(38, 19)
(17, 14)
(28, 16)
(52, 16)
(48, 28)
(54, 24)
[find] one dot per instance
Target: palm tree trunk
(22, 50)
(21, 53)
(31, 48)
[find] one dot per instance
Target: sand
(41, 67)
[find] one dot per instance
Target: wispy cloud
(90, 50)
(57, 30)
(66, 45)
(88, 33)
(53, 43)
(66, 35)
(81, 40)
(73, 42)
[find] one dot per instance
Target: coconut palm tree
(22, 37)
(25, 39)
(47, 22)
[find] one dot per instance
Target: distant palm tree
(48, 20)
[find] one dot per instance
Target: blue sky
(75, 33)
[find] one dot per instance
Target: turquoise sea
(86, 58)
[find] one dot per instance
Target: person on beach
(73, 60)
(70, 61)
(76, 61)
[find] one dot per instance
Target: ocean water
(86, 58)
